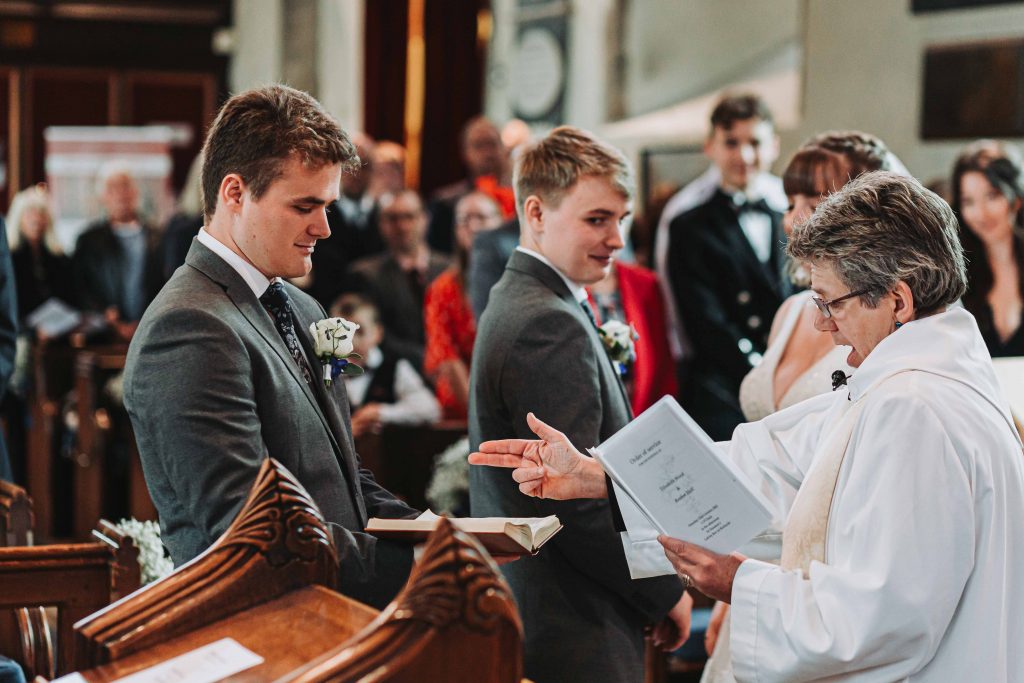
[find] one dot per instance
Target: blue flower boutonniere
(332, 338)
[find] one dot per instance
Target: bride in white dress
(800, 361)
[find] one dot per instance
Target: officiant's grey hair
(882, 228)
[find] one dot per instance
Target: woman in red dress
(450, 327)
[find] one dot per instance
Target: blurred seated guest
(116, 265)
(487, 260)
(41, 270)
(184, 225)
(387, 161)
(450, 326)
(898, 497)
(397, 280)
(488, 170)
(389, 391)
(988, 190)
(353, 220)
(631, 295)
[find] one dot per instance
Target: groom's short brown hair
(550, 167)
(257, 130)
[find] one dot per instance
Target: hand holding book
(550, 467)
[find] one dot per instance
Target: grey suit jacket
(212, 390)
(536, 350)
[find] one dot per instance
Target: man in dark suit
(222, 372)
(726, 265)
(537, 350)
(484, 155)
(116, 264)
(397, 279)
(354, 221)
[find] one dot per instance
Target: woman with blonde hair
(41, 270)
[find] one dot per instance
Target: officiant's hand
(710, 573)
(547, 468)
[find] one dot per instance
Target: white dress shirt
(415, 404)
(256, 280)
(578, 291)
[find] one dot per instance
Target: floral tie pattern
(279, 306)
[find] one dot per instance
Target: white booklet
(679, 480)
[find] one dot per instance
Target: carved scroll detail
(454, 593)
(278, 542)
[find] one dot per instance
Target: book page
(674, 474)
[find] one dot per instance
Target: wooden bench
(77, 579)
(268, 584)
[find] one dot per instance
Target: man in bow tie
(726, 265)
(222, 371)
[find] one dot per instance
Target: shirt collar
(256, 280)
(577, 290)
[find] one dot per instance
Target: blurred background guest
(397, 280)
(488, 170)
(387, 166)
(184, 225)
(41, 270)
(988, 191)
(116, 265)
(450, 325)
(389, 391)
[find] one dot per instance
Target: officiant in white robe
(899, 496)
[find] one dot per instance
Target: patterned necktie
(279, 306)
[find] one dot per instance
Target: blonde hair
(550, 167)
(28, 199)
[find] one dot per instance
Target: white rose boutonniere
(332, 338)
(619, 341)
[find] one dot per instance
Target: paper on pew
(500, 535)
(209, 663)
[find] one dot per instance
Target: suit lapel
(529, 265)
(731, 231)
(343, 447)
(214, 267)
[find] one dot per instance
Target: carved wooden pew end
(455, 620)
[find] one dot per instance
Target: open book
(678, 479)
(500, 535)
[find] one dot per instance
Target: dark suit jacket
(8, 333)
(487, 259)
(726, 299)
(98, 265)
(537, 351)
(401, 306)
(212, 390)
(348, 243)
(441, 234)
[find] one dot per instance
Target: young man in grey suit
(222, 373)
(537, 350)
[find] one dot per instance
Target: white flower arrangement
(332, 339)
(152, 559)
(448, 489)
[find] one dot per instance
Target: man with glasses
(397, 279)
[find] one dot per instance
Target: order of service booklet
(500, 535)
(676, 476)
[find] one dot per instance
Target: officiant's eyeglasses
(823, 305)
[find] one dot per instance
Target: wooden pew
(98, 426)
(267, 583)
(16, 518)
(77, 579)
(402, 458)
(52, 364)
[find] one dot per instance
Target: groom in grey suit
(222, 372)
(537, 350)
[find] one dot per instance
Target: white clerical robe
(923, 571)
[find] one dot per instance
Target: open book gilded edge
(499, 535)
